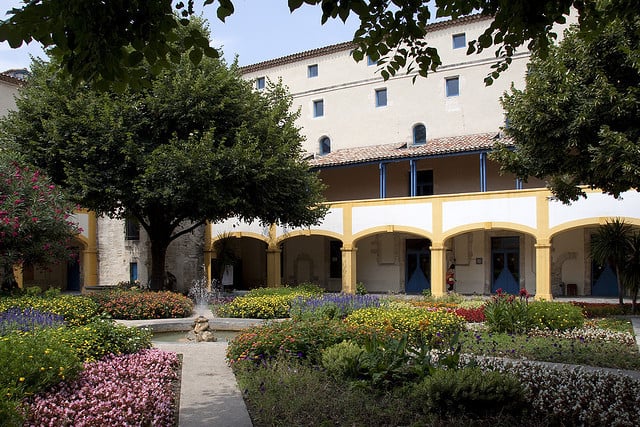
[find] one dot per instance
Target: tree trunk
(9, 282)
(158, 262)
(620, 289)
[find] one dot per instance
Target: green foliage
(472, 392)
(31, 362)
(133, 304)
(257, 307)
(507, 313)
(576, 122)
(435, 327)
(303, 289)
(76, 310)
(555, 315)
(341, 360)
(593, 309)
(102, 337)
(300, 339)
(361, 289)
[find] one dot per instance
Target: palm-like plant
(631, 271)
(612, 245)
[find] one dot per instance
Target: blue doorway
(73, 272)
(418, 266)
(604, 281)
(505, 264)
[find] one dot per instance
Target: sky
(258, 30)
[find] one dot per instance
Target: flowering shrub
(302, 339)
(29, 362)
(103, 337)
(128, 390)
(123, 304)
(331, 306)
(303, 289)
(507, 313)
(257, 307)
(555, 315)
(431, 325)
(27, 319)
(575, 396)
(471, 315)
(76, 309)
(588, 334)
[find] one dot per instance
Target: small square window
(318, 108)
(459, 41)
(132, 229)
(453, 86)
(260, 83)
(381, 97)
(312, 71)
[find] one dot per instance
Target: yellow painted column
(90, 253)
(349, 268)
(543, 270)
(438, 269)
(17, 274)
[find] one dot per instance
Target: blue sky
(258, 30)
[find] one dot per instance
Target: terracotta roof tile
(433, 147)
(347, 46)
(12, 80)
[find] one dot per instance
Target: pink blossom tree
(35, 223)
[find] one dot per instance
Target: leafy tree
(34, 219)
(391, 30)
(612, 245)
(198, 144)
(631, 270)
(578, 120)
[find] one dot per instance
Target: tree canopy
(577, 122)
(106, 41)
(198, 144)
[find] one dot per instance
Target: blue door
(603, 280)
(505, 264)
(418, 262)
(73, 273)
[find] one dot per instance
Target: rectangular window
(453, 86)
(318, 108)
(371, 61)
(335, 259)
(133, 271)
(312, 71)
(260, 83)
(381, 97)
(459, 41)
(132, 229)
(424, 183)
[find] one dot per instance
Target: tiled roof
(348, 46)
(433, 147)
(12, 80)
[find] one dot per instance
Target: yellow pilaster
(17, 274)
(274, 253)
(543, 270)
(349, 269)
(90, 253)
(438, 269)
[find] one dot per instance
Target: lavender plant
(331, 306)
(27, 319)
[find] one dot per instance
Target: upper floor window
(370, 61)
(452, 86)
(325, 145)
(260, 83)
(381, 97)
(459, 41)
(132, 229)
(419, 134)
(318, 108)
(312, 70)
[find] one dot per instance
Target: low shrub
(432, 326)
(129, 390)
(303, 289)
(29, 362)
(133, 304)
(300, 339)
(596, 309)
(331, 306)
(257, 307)
(471, 392)
(471, 315)
(103, 337)
(555, 315)
(342, 360)
(27, 319)
(76, 309)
